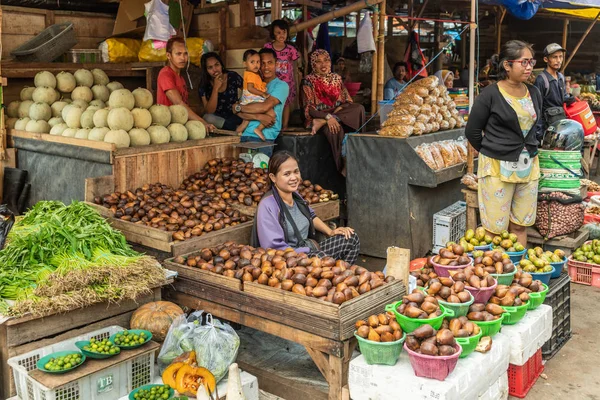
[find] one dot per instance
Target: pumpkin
(156, 317)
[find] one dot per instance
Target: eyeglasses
(524, 62)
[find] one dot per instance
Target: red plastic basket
(580, 272)
(522, 378)
(444, 270)
(433, 367)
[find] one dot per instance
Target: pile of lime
(155, 393)
(126, 338)
(104, 346)
(63, 363)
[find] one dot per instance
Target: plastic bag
(430, 100)
(447, 152)
(7, 220)
(593, 228)
(399, 120)
(153, 51)
(120, 50)
(419, 91)
(403, 131)
(437, 156)
(418, 128)
(409, 98)
(158, 26)
(216, 345)
(422, 151)
(424, 118)
(364, 37)
(405, 109)
(558, 213)
(179, 338)
(452, 122)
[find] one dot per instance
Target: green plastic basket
(537, 298)
(490, 328)
(469, 344)
(514, 314)
(381, 353)
(410, 324)
(505, 279)
(459, 309)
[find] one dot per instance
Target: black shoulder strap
(288, 217)
(546, 84)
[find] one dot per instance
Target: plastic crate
(580, 272)
(521, 378)
(449, 225)
(82, 56)
(559, 298)
(48, 45)
(108, 384)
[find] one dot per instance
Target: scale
(260, 160)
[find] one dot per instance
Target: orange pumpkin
(156, 317)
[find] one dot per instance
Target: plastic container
(580, 111)
(381, 353)
(559, 298)
(449, 225)
(537, 298)
(83, 56)
(468, 344)
(490, 328)
(433, 367)
(514, 314)
(410, 324)
(459, 309)
(48, 45)
(148, 387)
(516, 256)
(544, 277)
(444, 270)
(90, 354)
(133, 332)
(353, 87)
(46, 359)
(521, 378)
(482, 295)
(580, 272)
(505, 279)
(558, 268)
(482, 248)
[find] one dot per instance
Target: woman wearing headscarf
(446, 78)
(328, 107)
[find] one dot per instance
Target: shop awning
(526, 9)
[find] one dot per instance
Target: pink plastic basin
(482, 295)
(433, 367)
(444, 270)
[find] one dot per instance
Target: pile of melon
(85, 105)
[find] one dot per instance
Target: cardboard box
(130, 18)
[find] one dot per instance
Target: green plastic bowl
(410, 324)
(514, 314)
(459, 309)
(505, 279)
(90, 354)
(134, 331)
(148, 387)
(537, 298)
(44, 360)
(381, 353)
(490, 328)
(469, 344)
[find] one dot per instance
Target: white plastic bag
(364, 37)
(216, 346)
(158, 26)
(180, 338)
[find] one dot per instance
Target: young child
(254, 89)
(286, 55)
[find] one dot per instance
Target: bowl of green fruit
(60, 362)
(131, 339)
(152, 392)
(98, 349)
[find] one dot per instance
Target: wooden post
(411, 13)
(223, 25)
(247, 16)
(305, 49)
(275, 9)
(374, 69)
(437, 33)
(564, 34)
(580, 42)
(381, 52)
(500, 19)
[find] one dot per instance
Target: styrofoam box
(529, 334)
(473, 378)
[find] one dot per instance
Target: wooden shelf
(13, 69)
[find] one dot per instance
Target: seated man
(256, 112)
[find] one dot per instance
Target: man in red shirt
(172, 88)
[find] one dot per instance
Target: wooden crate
(22, 335)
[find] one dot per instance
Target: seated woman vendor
(172, 88)
(284, 219)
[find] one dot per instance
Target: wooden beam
(565, 32)
(310, 3)
(223, 25)
(500, 19)
(374, 69)
(337, 13)
(275, 9)
(381, 52)
(581, 41)
(247, 16)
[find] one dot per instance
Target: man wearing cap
(551, 83)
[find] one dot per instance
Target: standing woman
(219, 90)
(329, 107)
(284, 219)
(503, 127)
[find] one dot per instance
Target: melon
(156, 317)
(121, 98)
(82, 133)
(141, 118)
(178, 132)
(65, 82)
(119, 137)
(139, 137)
(73, 117)
(93, 108)
(101, 118)
(57, 107)
(44, 78)
(69, 132)
(98, 134)
(44, 94)
(100, 77)
(100, 92)
(65, 110)
(196, 130)
(97, 103)
(55, 121)
(58, 129)
(82, 93)
(83, 77)
(37, 126)
(160, 115)
(112, 86)
(12, 111)
(159, 134)
(179, 114)
(10, 122)
(39, 111)
(87, 118)
(143, 98)
(120, 119)
(21, 123)
(27, 93)
(81, 104)
(23, 110)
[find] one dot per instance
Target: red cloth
(167, 80)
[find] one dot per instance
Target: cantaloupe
(159, 134)
(38, 111)
(100, 77)
(23, 110)
(120, 119)
(57, 107)
(101, 118)
(82, 133)
(97, 103)
(178, 132)
(84, 78)
(139, 137)
(44, 94)
(98, 134)
(58, 130)
(10, 122)
(81, 104)
(101, 92)
(141, 118)
(73, 117)
(112, 86)
(69, 132)
(82, 93)
(55, 121)
(21, 123)
(12, 111)
(27, 93)
(119, 137)
(196, 130)
(160, 115)
(65, 82)
(179, 114)
(143, 98)
(87, 118)
(44, 78)
(39, 126)
(121, 98)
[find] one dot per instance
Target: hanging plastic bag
(120, 50)
(7, 219)
(216, 345)
(158, 26)
(179, 338)
(364, 37)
